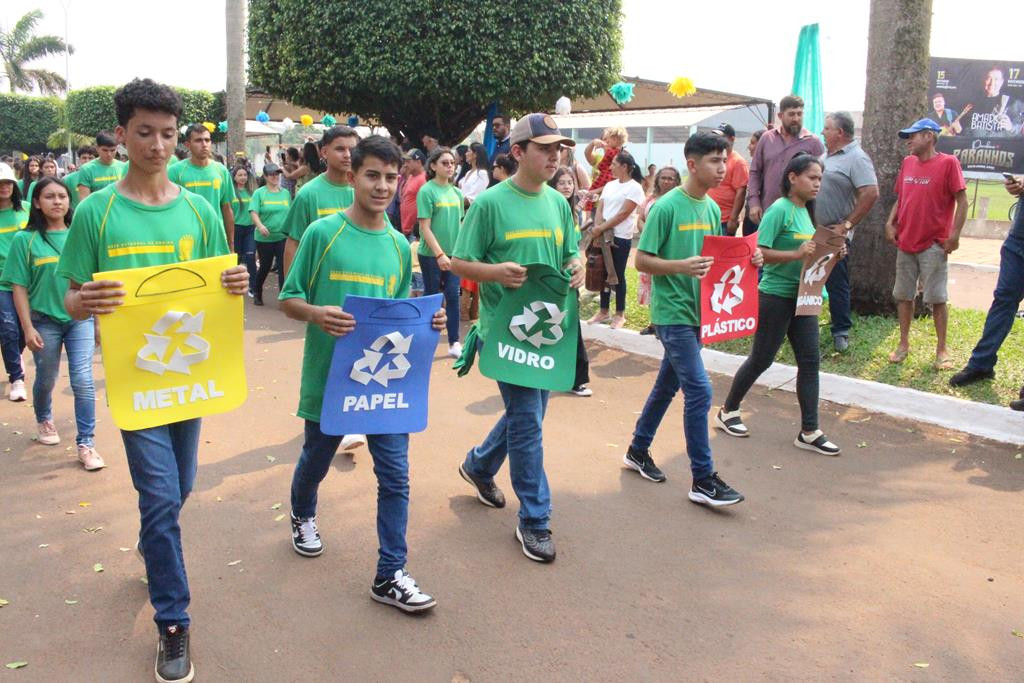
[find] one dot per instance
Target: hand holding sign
(820, 257)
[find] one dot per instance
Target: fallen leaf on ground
(124, 550)
(921, 665)
(84, 505)
(15, 432)
(1017, 633)
(862, 444)
(1018, 456)
(4, 602)
(271, 458)
(70, 512)
(16, 665)
(279, 518)
(612, 445)
(92, 529)
(71, 602)
(144, 580)
(956, 440)
(275, 506)
(44, 545)
(776, 467)
(233, 563)
(219, 499)
(863, 419)
(97, 567)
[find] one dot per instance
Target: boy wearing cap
(519, 221)
(416, 176)
(925, 230)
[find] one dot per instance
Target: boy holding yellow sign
(146, 220)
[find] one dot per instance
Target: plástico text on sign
(379, 381)
(174, 350)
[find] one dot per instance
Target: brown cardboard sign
(816, 269)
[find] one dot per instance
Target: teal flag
(807, 78)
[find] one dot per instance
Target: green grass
(871, 340)
(1000, 200)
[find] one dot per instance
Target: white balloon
(563, 106)
(183, 129)
(288, 123)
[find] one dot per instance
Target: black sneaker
(487, 493)
(970, 375)
(641, 461)
(841, 343)
(1017, 404)
(402, 592)
(537, 544)
(306, 536)
(714, 492)
(731, 423)
(257, 300)
(582, 390)
(648, 330)
(173, 662)
(816, 442)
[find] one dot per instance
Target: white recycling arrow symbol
(521, 324)
(365, 369)
(816, 271)
(720, 301)
(151, 357)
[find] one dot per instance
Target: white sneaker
(91, 460)
(582, 390)
(17, 391)
(455, 350)
(47, 433)
(351, 442)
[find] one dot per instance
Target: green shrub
(26, 122)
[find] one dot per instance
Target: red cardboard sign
(728, 293)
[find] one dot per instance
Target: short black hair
(503, 117)
(339, 131)
(195, 128)
(702, 144)
(106, 139)
(147, 94)
(791, 102)
(87, 149)
(507, 163)
(378, 147)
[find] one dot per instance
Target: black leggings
(776, 321)
(620, 255)
(270, 253)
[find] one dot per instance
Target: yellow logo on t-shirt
(687, 227)
(347, 276)
(43, 260)
(185, 245)
(391, 285)
(328, 212)
(133, 248)
(283, 202)
(528, 234)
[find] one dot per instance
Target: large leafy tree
(432, 64)
(20, 45)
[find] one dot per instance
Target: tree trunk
(896, 96)
(235, 95)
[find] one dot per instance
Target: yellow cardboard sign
(173, 351)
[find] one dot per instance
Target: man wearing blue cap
(925, 229)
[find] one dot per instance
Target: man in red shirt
(925, 230)
(414, 163)
(732, 192)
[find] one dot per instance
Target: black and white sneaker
(402, 592)
(731, 423)
(173, 661)
(582, 390)
(711, 490)
(537, 544)
(487, 492)
(641, 461)
(306, 537)
(816, 442)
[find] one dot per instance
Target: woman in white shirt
(617, 211)
(477, 178)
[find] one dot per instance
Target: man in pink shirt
(732, 192)
(774, 150)
(925, 229)
(414, 164)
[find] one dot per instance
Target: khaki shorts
(928, 267)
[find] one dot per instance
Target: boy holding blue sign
(518, 222)
(353, 252)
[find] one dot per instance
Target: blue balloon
(262, 117)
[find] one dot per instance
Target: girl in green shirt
(245, 231)
(31, 270)
(13, 217)
(49, 170)
(785, 236)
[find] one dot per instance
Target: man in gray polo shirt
(849, 189)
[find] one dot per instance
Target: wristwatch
(848, 225)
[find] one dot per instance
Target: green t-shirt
(317, 198)
(211, 182)
(240, 205)
(443, 205)
(272, 208)
(32, 263)
(71, 180)
(11, 222)
(111, 232)
(337, 257)
(675, 229)
(507, 223)
(95, 175)
(784, 227)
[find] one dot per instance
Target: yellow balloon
(209, 126)
(306, 120)
(682, 87)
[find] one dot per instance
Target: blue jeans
(1005, 300)
(681, 367)
(518, 435)
(245, 247)
(76, 337)
(838, 285)
(391, 466)
(620, 257)
(12, 339)
(162, 462)
(436, 280)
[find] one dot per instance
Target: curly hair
(146, 94)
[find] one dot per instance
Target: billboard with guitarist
(980, 106)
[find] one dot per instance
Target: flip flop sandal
(943, 364)
(898, 356)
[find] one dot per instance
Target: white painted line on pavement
(981, 419)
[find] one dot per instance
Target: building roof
(649, 95)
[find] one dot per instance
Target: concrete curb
(981, 419)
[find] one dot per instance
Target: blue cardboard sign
(379, 381)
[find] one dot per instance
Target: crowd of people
(343, 217)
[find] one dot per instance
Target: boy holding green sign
(519, 222)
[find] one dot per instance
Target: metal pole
(67, 80)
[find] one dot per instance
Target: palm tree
(19, 46)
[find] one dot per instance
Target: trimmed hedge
(26, 122)
(91, 110)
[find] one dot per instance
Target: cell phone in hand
(1010, 178)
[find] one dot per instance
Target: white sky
(747, 48)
